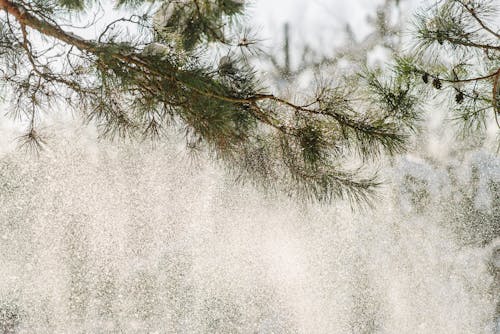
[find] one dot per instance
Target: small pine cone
(425, 78)
(459, 97)
(436, 83)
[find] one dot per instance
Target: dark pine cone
(437, 83)
(425, 78)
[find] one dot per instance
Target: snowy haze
(318, 23)
(124, 239)
(312, 19)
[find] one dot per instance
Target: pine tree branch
(130, 58)
(484, 77)
(473, 13)
(471, 44)
(496, 92)
(126, 88)
(214, 33)
(48, 29)
(495, 76)
(26, 19)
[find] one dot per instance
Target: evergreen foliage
(457, 54)
(155, 70)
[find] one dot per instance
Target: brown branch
(48, 29)
(473, 13)
(471, 44)
(25, 18)
(496, 107)
(484, 77)
(496, 79)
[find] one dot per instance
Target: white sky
(318, 23)
(314, 21)
(311, 16)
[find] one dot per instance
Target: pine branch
(459, 26)
(473, 13)
(130, 90)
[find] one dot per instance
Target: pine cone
(425, 78)
(437, 83)
(459, 97)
